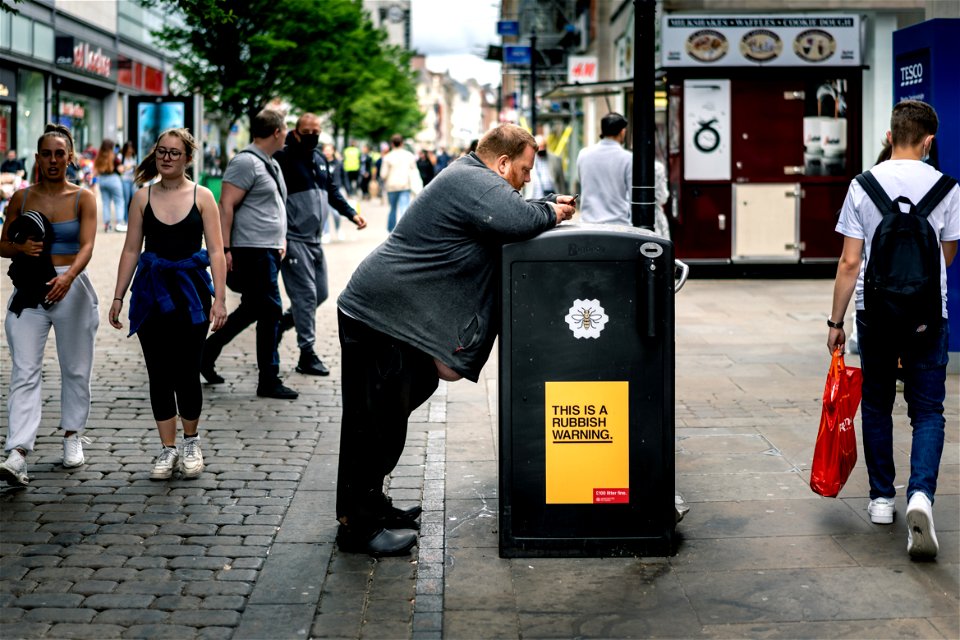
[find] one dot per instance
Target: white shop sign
(761, 41)
(706, 129)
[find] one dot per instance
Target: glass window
(4, 30)
(42, 42)
(30, 116)
(21, 35)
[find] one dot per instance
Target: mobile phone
(576, 197)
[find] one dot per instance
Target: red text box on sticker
(611, 496)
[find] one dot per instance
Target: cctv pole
(533, 81)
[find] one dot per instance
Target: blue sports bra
(66, 234)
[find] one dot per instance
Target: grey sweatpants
(304, 272)
(74, 320)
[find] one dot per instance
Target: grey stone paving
(246, 551)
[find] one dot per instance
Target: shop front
(84, 88)
(764, 134)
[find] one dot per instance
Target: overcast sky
(454, 35)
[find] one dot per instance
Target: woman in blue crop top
(170, 308)
(70, 307)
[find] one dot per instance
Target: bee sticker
(586, 319)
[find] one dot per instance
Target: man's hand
(837, 338)
(563, 211)
(359, 221)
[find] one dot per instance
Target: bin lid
(589, 241)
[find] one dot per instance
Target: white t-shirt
(859, 217)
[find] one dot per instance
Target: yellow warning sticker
(587, 442)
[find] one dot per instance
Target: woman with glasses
(170, 307)
(49, 232)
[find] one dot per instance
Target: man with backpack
(902, 221)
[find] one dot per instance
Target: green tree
(324, 57)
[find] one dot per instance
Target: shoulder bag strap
(875, 192)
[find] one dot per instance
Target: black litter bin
(587, 394)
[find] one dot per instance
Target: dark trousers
(384, 381)
(172, 345)
(924, 360)
(255, 274)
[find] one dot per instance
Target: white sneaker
(72, 452)
(14, 469)
(881, 510)
(165, 464)
(121, 227)
(921, 536)
(191, 462)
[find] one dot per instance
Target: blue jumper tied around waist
(150, 293)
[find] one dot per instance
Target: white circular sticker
(586, 319)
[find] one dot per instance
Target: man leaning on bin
(422, 307)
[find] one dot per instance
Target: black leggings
(172, 346)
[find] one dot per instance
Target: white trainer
(921, 537)
(165, 464)
(191, 462)
(14, 469)
(73, 452)
(881, 510)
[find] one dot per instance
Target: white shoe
(341, 235)
(165, 464)
(325, 238)
(191, 462)
(121, 227)
(14, 469)
(72, 452)
(921, 536)
(881, 510)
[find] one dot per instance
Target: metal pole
(643, 199)
(533, 81)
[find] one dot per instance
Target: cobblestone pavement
(246, 550)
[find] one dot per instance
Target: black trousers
(172, 345)
(255, 276)
(384, 381)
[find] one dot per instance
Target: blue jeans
(111, 191)
(128, 189)
(399, 201)
(924, 360)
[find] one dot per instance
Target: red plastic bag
(836, 451)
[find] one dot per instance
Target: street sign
(513, 54)
(508, 28)
(582, 69)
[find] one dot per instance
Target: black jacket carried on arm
(30, 274)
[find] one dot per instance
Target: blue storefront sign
(516, 54)
(912, 76)
(508, 28)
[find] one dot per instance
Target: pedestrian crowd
(420, 308)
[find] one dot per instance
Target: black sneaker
(210, 374)
(377, 543)
(286, 323)
(276, 389)
(311, 365)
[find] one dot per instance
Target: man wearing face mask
(310, 192)
(420, 307)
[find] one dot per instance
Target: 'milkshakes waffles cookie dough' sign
(742, 41)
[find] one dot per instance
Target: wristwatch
(834, 325)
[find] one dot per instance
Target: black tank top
(173, 241)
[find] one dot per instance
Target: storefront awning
(588, 89)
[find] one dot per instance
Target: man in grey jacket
(422, 307)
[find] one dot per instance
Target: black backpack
(901, 284)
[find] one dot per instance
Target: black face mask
(542, 153)
(309, 141)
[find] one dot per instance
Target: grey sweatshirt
(434, 282)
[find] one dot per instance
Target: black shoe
(210, 374)
(286, 323)
(311, 365)
(377, 543)
(392, 517)
(276, 389)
